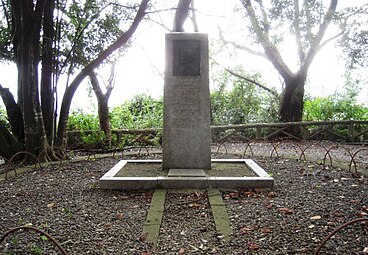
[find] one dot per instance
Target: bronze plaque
(186, 57)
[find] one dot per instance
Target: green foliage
(79, 120)
(341, 106)
(142, 111)
(36, 250)
(3, 117)
(89, 27)
(6, 51)
(237, 101)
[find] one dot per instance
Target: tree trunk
(47, 90)
(8, 145)
(14, 114)
(291, 105)
(103, 109)
(181, 14)
(28, 17)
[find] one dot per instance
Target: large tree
(103, 102)
(28, 37)
(274, 24)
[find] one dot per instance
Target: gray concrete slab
(186, 173)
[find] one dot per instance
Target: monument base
(234, 174)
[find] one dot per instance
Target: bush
(237, 101)
(340, 106)
(3, 117)
(142, 111)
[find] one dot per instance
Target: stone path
(151, 229)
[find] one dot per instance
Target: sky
(140, 69)
(140, 77)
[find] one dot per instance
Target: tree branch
(241, 47)
(298, 39)
(194, 18)
(272, 53)
(315, 45)
(330, 39)
(271, 91)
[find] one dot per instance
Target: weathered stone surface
(186, 172)
(186, 135)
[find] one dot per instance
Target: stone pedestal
(186, 134)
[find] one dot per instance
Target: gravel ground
(308, 202)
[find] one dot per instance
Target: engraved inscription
(187, 108)
(186, 57)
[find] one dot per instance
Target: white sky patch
(138, 71)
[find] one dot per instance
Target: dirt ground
(309, 201)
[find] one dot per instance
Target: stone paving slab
(186, 173)
(152, 225)
(220, 214)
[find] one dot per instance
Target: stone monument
(186, 133)
(186, 162)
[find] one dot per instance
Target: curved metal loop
(50, 238)
(218, 148)
(250, 149)
(328, 152)
(310, 146)
(353, 159)
(337, 230)
(275, 149)
(12, 165)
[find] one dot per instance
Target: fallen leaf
(181, 251)
(233, 194)
(362, 214)
(143, 237)
(51, 205)
(337, 213)
(311, 226)
(253, 246)
(265, 230)
(119, 216)
(271, 194)
(365, 250)
(285, 210)
(317, 217)
(248, 193)
(268, 205)
(197, 194)
(245, 230)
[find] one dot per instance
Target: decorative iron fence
(353, 131)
